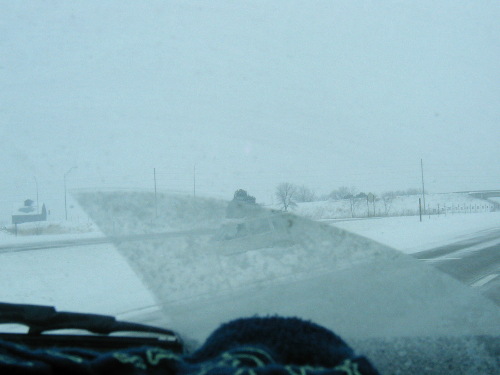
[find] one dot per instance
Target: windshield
(184, 163)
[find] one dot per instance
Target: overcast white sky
(320, 93)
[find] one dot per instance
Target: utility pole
(65, 200)
(194, 181)
(156, 201)
(423, 189)
(420, 208)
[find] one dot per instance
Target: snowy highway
(475, 262)
(76, 242)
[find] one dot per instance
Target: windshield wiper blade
(40, 319)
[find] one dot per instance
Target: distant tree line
(288, 195)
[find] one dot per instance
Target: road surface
(99, 240)
(475, 262)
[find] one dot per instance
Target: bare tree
(411, 191)
(285, 193)
(374, 199)
(343, 192)
(354, 202)
(387, 199)
(304, 194)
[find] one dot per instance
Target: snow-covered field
(409, 235)
(460, 217)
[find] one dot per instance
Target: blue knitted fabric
(249, 346)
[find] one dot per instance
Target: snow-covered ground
(409, 235)
(88, 279)
(460, 217)
(48, 232)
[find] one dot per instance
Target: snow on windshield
(206, 269)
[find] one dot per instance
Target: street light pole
(65, 200)
(37, 205)
(423, 188)
(194, 181)
(156, 201)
